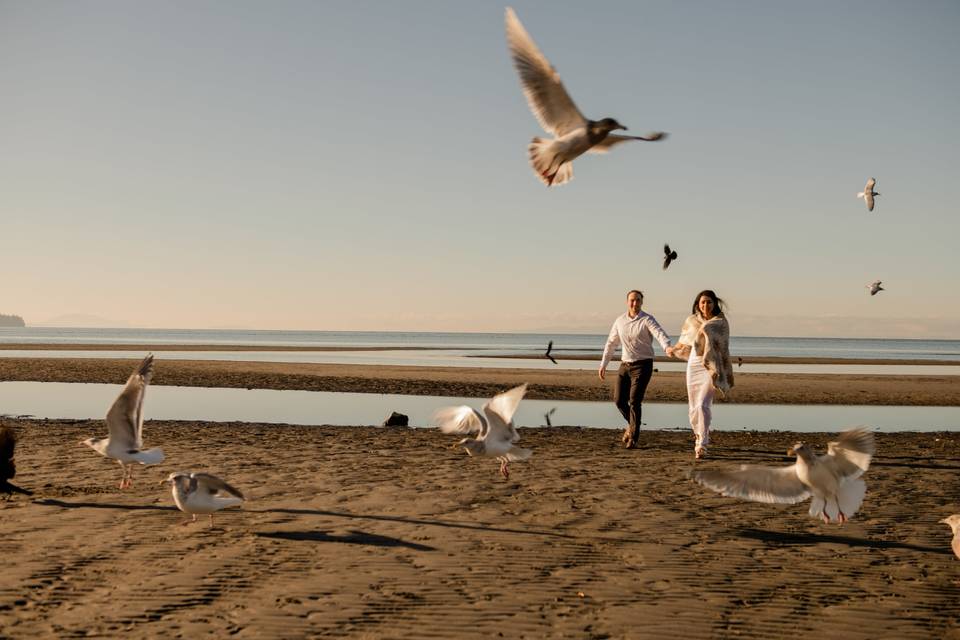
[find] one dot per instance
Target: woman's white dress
(700, 392)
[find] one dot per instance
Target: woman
(705, 344)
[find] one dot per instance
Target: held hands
(669, 352)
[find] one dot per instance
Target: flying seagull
(547, 354)
(868, 193)
(875, 287)
(496, 435)
(954, 522)
(125, 424)
(547, 415)
(573, 134)
(832, 480)
(668, 256)
(196, 493)
(8, 469)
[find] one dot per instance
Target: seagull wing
(548, 99)
(614, 139)
(125, 417)
(871, 183)
(505, 404)
(868, 198)
(500, 410)
(462, 420)
(852, 452)
(212, 484)
(760, 484)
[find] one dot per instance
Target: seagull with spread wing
(875, 287)
(547, 354)
(124, 443)
(201, 493)
(832, 480)
(868, 193)
(573, 134)
(496, 435)
(8, 469)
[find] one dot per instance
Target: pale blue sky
(362, 165)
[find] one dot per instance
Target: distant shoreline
(147, 347)
(483, 382)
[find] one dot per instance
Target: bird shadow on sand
(354, 537)
(51, 502)
(432, 523)
(798, 539)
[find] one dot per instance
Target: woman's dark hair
(719, 306)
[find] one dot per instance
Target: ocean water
(482, 343)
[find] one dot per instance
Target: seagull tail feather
(860, 195)
(546, 165)
(151, 456)
(518, 453)
(850, 496)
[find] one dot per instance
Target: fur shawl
(711, 340)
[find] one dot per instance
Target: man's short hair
(636, 291)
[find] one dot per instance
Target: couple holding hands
(704, 343)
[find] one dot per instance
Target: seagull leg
(503, 468)
(826, 519)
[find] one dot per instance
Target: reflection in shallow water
(80, 401)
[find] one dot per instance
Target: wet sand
(479, 382)
(389, 533)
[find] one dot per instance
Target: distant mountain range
(11, 321)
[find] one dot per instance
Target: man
(634, 331)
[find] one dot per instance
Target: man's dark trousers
(632, 381)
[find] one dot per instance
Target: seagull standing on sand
(201, 493)
(8, 442)
(125, 424)
(868, 193)
(832, 480)
(574, 134)
(496, 434)
(954, 522)
(668, 256)
(875, 287)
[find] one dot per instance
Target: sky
(362, 165)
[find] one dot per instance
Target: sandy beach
(481, 382)
(367, 532)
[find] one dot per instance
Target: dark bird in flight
(547, 354)
(573, 134)
(547, 415)
(8, 442)
(668, 256)
(875, 287)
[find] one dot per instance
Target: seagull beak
(791, 451)
(623, 127)
(944, 521)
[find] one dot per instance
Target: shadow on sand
(791, 539)
(354, 537)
